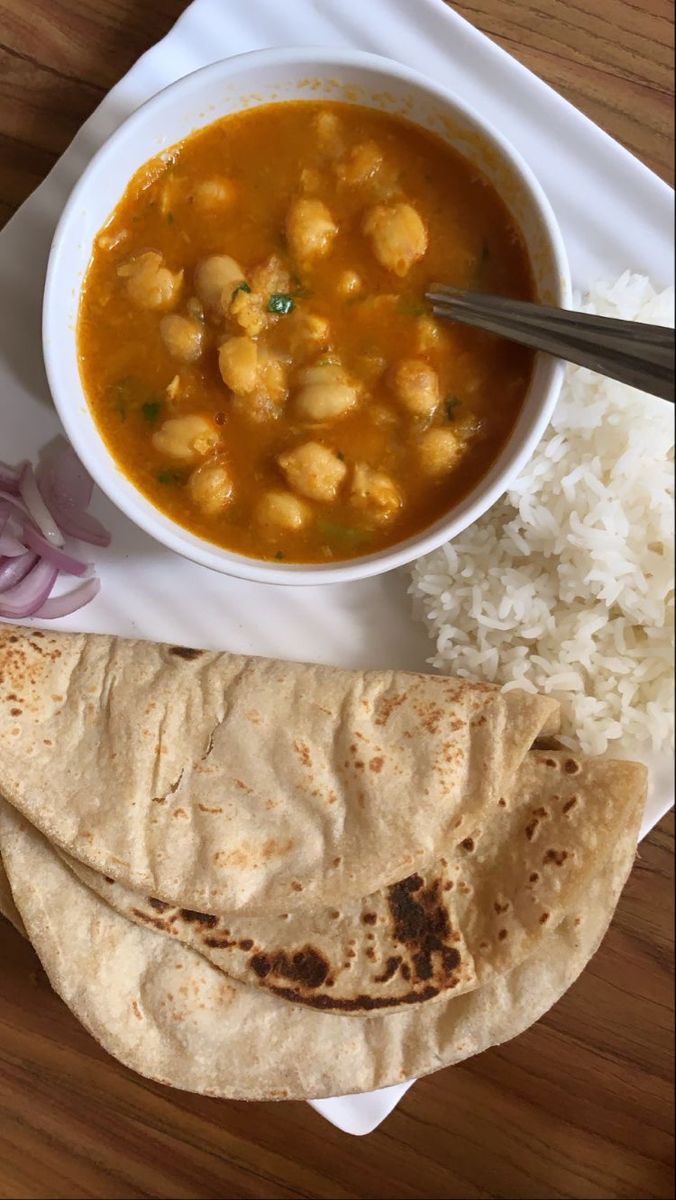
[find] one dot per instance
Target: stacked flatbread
(261, 880)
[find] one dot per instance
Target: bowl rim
(488, 489)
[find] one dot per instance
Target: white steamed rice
(567, 585)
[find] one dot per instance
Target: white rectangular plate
(614, 214)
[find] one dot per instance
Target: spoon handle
(629, 351)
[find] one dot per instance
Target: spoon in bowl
(629, 351)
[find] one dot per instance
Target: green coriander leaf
(151, 410)
(281, 303)
(451, 405)
(168, 476)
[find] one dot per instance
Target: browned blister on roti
(221, 783)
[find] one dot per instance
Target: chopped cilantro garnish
(241, 287)
(169, 476)
(451, 404)
(151, 410)
(281, 303)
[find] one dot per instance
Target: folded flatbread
(167, 1013)
(219, 783)
(8, 908)
(478, 912)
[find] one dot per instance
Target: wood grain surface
(579, 1106)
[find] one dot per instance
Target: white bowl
(230, 86)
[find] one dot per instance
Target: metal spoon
(629, 351)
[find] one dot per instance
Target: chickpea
(329, 133)
(281, 510)
(310, 180)
(428, 334)
(309, 332)
(238, 364)
(361, 164)
(326, 392)
(398, 236)
(416, 386)
(467, 426)
(370, 367)
(383, 416)
(270, 276)
(313, 470)
(349, 284)
(439, 450)
(210, 487)
(310, 229)
(185, 438)
(384, 184)
(257, 378)
(375, 492)
(216, 278)
(195, 309)
(215, 193)
(182, 337)
(272, 378)
(149, 283)
(266, 400)
(248, 310)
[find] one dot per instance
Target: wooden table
(581, 1105)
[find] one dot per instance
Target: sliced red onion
(12, 520)
(68, 482)
(9, 477)
(13, 570)
(12, 504)
(10, 546)
(63, 606)
(13, 517)
(35, 513)
(58, 558)
(66, 489)
(30, 494)
(83, 526)
(26, 597)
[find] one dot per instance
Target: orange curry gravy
(265, 278)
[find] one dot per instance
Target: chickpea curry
(254, 342)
